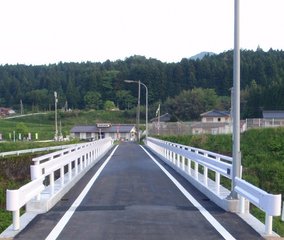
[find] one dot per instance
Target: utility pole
(22, 107)
(55, 109)
(138, 111)
(236, 101)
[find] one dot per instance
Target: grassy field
(44, 124)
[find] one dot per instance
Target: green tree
(93, 100)
(109, 105)
(22, 128)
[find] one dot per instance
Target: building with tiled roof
(125, 132)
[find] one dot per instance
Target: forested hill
(89, 85)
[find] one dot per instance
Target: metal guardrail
(221, 165)
(70, 162)
(269, 203)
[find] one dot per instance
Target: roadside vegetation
(44, 124)
(262, 159)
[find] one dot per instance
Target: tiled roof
(122, 128)
(216, 113)
(273, 114)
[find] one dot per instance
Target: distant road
(25, 115)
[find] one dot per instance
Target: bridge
(160, 190)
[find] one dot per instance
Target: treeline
(91, 85)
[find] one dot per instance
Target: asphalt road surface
(128, 196)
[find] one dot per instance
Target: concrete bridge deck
(129, 195)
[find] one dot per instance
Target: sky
(49, 31)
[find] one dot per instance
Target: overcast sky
(49, 31)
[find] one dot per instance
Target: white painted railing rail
(33, 150)
(68, 165)
(18, 198)
(180, 154)
(177, 155)
(269, 203)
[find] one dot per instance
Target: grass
(44, 124)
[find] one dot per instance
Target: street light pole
(138, 111)
(236, 102)
(55, 109)
(138, 115)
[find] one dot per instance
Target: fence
(33, 150)
(193, 128)
(71, 164)
(183, 158)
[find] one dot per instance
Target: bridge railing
(269, 203)
(187, 160)
(66, 165)
(33, 150)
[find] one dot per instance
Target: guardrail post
(217, 178)
(282, 217)
(16, 220)
(242, 204)
(205, 172)
(196, 169)
(178, 160)
(69, 171)
(268, 224)
(51, 180)
(76, 166)
(62, 176)
(189, 166)
(183, 162)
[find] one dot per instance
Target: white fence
(187, 160)
(69, 164)
(33, 150)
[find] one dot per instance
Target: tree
(93, 100)
(124, 99)
(109, 105)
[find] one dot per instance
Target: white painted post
(242, 205)
(70, 171)
(205, 172)
(51, 180)
(183, 162)
(196, 169)
(81, 163)
(178, 160)
(62, 176)
(189, 166)
(16, 220)
(217, 178)
(268, 224)
(282, 217)
(76, 166)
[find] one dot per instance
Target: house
(216, 116)
(273, 114)
(6, 112)
(102, 130)
(272, 118)
(213, 122)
